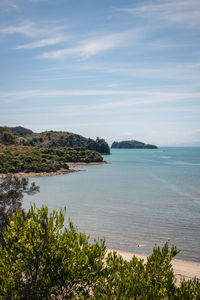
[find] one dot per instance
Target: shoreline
(82, 164)
(59, 172)
(41, 174)
(182, 269)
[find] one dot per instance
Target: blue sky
(115, 69)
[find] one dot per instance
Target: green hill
(22, 150)
(21, 131)
(132, 144)
(65, 139)
(26, 137)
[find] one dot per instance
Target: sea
(141, 199)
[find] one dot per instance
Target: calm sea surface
(143, 197)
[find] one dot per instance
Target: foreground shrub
(12, 190)
(42, 259)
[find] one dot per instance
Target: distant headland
(20, 136)
(25, 153)
(132, 144)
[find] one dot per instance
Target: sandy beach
(33, 174)
(59, 172)
(182, 269)
(82, 164)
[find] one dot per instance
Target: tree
(12, 190)
(43, 259)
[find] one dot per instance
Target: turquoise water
(143, 197)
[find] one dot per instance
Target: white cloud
(43, 43)
(138, 97)
(189, 72)
(30, 29)
(7, 5)
(94, 46)
(105, 107)
(183, 12)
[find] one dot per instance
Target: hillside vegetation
(25, 137)
(132, 144)
(21, 150)
(45, 160)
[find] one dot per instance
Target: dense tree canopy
(65, 139)
(42, 259)
(45, 159)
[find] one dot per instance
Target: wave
(173, 187)
(183, 163)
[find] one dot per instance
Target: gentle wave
(184, 163)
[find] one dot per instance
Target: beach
(183, 270)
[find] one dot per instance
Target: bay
(141, 198)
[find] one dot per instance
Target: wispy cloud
(43, 43)
(182, 12)
(187, 74)
(103, 107)
(140, 96)
(94, 46)
(7, 5)
(31, 29)
(170, 71)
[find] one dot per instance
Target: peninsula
(27, 153)
(23, 137)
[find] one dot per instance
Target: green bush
(45, 160)
(42, 259)
(12, 190)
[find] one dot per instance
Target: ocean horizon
(142, 198)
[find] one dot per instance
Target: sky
(116, 69)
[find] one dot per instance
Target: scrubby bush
(12, 190)
(42, 259)
(45, 159)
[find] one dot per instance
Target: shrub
(42, 259)
(12, 190)
(45, 160)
